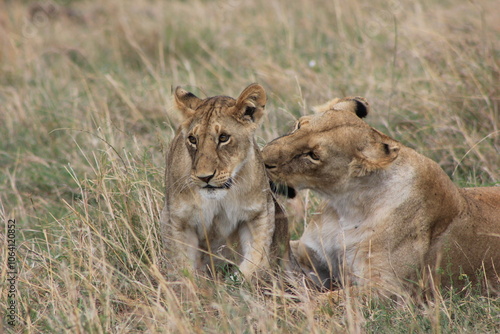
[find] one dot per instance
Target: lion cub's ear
(186, 102)
(357, 105)
(377, 155)
(251, 103)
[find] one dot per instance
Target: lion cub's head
(218, 134)
(329, 148)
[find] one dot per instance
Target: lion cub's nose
(205, 178)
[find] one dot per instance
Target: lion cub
(391, 216)
(218, 201)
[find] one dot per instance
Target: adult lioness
(218, 201)
(391, 214)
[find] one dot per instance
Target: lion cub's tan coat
(390, 213)
(218, 201)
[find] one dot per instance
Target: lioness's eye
(192, 140)
(313, 155)
(297, 126)
(223, 138)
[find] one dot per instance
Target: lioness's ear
(377, 155)
(357, 105)
(251, 103)
(325, 106)
(186, 102)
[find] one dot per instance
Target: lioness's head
(325, 150)
(218, 133)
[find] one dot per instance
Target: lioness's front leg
(256, 237)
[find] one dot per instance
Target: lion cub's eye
(192, 140)
(223, 138)
(313, 156)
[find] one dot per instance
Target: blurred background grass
(86, 115)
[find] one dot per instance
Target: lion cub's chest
(218, 218)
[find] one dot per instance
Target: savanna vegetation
(86, 114)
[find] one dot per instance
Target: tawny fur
(218, 202)
(392, 219)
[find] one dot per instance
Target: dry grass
(86, 114)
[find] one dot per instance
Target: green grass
(86, 115)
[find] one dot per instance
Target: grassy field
(86, 114)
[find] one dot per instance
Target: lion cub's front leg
(185, 246)
(256, 238)
(180, 241)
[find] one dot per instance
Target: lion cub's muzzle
(225, 185)
(211, 182)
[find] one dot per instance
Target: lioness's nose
(205, 178)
